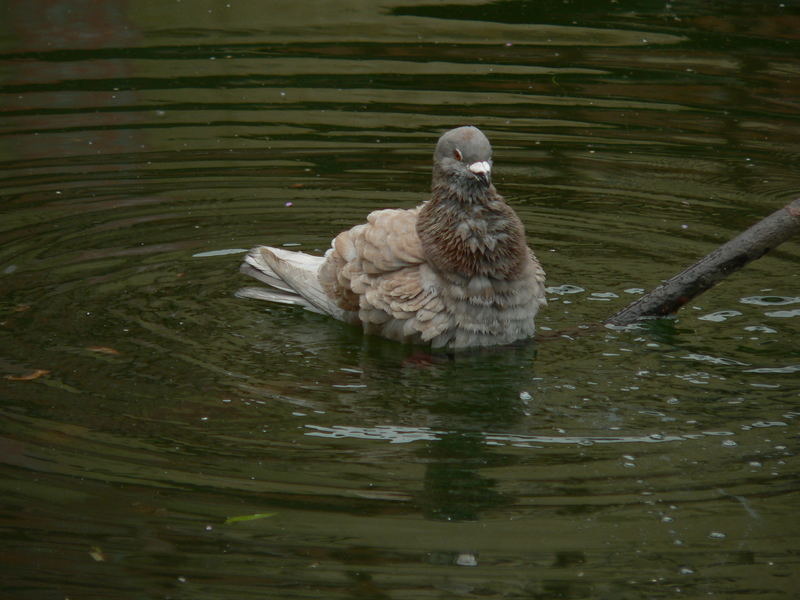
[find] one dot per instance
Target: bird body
(454, 272)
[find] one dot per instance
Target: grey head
(464, 156)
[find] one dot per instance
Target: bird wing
(386, 243)
(378, 269)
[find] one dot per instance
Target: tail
(291, 277)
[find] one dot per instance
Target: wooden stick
(754, 243)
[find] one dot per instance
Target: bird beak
(482, 170)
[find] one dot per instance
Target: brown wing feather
(379, 270)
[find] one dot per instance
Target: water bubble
(720, 316)
(783, 314)
(604, 296)
(565, 289)
(466, 559)
(770, 300)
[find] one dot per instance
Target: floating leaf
(96, 552)
(103, 349)
(35, 375)
(253, 517)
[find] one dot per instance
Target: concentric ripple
(162, 437)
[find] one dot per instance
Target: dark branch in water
(754, 243)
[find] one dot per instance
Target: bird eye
(457, 154)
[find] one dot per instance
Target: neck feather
(471, 231)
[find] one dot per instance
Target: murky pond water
(164, 439)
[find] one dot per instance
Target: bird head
(463, 156)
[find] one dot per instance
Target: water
(162, 438)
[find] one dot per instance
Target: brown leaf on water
(96, 552)
(30, 376)
(19, 308)
(103, 350)
(297, 186)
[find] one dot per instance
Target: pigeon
(453, 273)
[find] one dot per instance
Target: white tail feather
(292, 277)
(260, 293)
